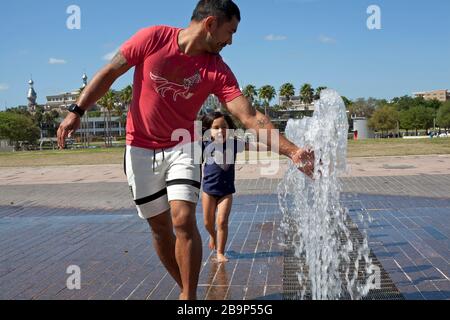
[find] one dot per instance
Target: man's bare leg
(209, 218)
(188, 249)
(164, 242)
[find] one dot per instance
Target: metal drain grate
(292, 264)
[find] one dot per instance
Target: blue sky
(323, 42)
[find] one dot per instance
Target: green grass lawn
(364, 148)
(398, 147)
(60, 158)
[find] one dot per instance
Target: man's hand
(69, 126)
(253, 119)
(96, 89)
(304, 159)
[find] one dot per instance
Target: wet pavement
(114, 252)
(45, 228)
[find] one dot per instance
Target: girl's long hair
(208, 120)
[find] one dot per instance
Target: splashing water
(314, 222)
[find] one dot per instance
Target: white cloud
(327, 40)
(56, 61)
(110, 55)
(273, 37)
(4, 87)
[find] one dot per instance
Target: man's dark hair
(224, 10)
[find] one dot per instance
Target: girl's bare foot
(184, 297)
(221, 258)
(212, 243)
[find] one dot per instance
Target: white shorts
(157, 177)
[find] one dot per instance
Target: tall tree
(250, 93)
(318, 92)
(364, 108)
(307, 94)
(84, 123)
(416, 118)
(443, 115)
(384, 119)
(38, 118)
(406, 120)
(108, 103)
(347, 102)
(125, 97)
(50, 122)
(18, 127)
(287, 90)
(434, 106)
(403, 103)
(267, 93)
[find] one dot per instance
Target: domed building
(32, 97)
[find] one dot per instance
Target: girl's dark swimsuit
(219, 168)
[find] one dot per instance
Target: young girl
(218, 178)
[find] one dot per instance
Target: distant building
(361, 129)
(58, 102)
(96, 127)
(32, 97)
(440, 95)
(211, 104)
(61, 101)
(5, 146)
(90, 126)
(295, 104)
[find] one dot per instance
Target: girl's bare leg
(223, 214)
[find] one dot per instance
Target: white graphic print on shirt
(164, 85)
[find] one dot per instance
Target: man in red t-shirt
(175, 71)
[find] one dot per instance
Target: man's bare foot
(212, 243)
(221, 258)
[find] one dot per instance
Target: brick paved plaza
(44, 229)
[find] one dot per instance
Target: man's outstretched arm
(253, 119)
(96, 89)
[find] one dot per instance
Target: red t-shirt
(170, 87)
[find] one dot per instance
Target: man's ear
(210, 23)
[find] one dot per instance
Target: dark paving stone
(416, 245)
(114, 252)
(435, 233)
(42, 235)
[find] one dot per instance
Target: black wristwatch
(76, 109)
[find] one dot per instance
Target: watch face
(75, 109)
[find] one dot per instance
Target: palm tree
(287, 90)
(318, 91)
(38, 118)
(54, 117)
(267, 93)
(125, 96)
(347, 101)
(108, 103)
(307, 94)
(84, 123)
(250, 93)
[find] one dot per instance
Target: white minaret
(32, 96)
(85, 78)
